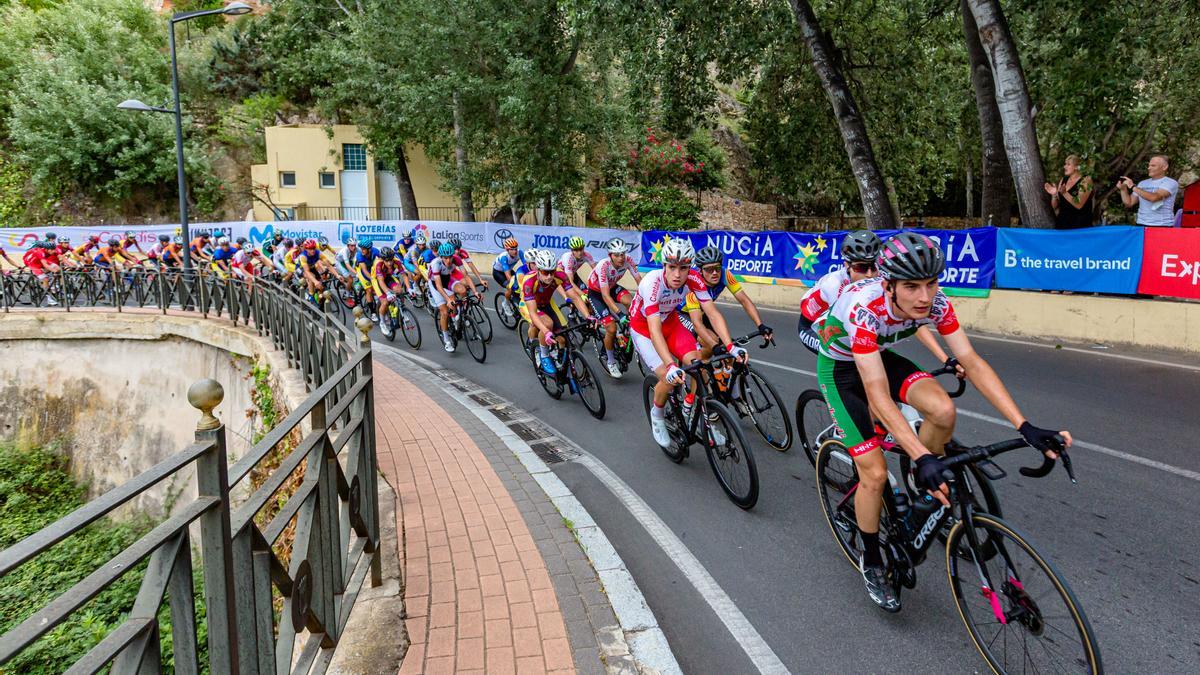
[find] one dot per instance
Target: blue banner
(1094, 259)
(970, 254)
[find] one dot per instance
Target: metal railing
(431, 213)
(260, 595)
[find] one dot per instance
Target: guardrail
(332, 517)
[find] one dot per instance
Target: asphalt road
(1124, 537)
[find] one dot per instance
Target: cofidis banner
(1093, 259)
(806, 257)
(1171, 262)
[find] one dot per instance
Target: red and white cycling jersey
(570, 265)
(655, 297)
(824, 293)
(606, 274)
(861, 321)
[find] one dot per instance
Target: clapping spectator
(1072, 197)
(1154, 197)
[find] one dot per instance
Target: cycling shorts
(600, 308)
(680, 342)
(499, 277)
(842, 387)
(554, 313)
(363, 280)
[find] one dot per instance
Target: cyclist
(537, 291)
(110, 255)
(42, 260)
(130, 241)
(463, 258)
(200, 249)
(66, 254)
(164, 252)
(281, 258)
(221, 257)
(92, 242)
(445, 278)
(239, 243)
(309, 262)
(329, 258)
(505, 266)
(862, 378)
(345, 261)
(710, 260)
(269, 246)
(386, 276)
(659, 336)
(609, 300)
(405, 242)
(243, 262)
(364, 262)
(572, 260)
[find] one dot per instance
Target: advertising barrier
(766, 256)
(1095, 259)
(1171, 263)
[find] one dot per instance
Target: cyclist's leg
(842, 387)
(915, 387)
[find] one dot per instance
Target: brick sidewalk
(477, 592)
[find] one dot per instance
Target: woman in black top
(1072, 197)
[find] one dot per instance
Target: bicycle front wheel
(765, 408)
(475, 342)
(587, 385)
(505, 310)
(730, 456)
(476, 313)
(410, 328)
(1026, 618)
(814, 424)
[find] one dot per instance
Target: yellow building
(315, 172)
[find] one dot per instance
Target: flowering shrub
(662, 161)
(651, 208)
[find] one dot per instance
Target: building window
(354, 157)
(327, 180)
(287, 179)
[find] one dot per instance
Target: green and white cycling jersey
(861, 321)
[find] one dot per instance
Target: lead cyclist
(861, 379)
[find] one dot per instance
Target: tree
(996, 205)
(1016, 112)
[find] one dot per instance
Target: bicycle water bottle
(722, 374)
(902, 506)
(921, 510)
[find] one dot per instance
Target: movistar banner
(1095, 259)
(970, 254)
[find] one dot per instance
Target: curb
(641, 637)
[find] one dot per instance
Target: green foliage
(264, 401)
(12, 182)
(651, 208)
(36, 490)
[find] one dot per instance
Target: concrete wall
(114, 386)
(1157, 324)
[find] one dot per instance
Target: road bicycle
(572, 373)
(1020, 612)
(623, 347)
(709, 423)
(400, 319)
(477, 313)
(751, 395)
(461, 328)
(506, 309)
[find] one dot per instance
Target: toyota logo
(502, 234)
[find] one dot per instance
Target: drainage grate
(548, 453)
(526, 432)
(507, 413)
(485, 398)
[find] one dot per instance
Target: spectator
(1154, 197)
(1072, 197)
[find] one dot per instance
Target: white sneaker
(662, 436)
(374, 318)
(50, 301)
(448, 344)
(614, 370)
(387, 330)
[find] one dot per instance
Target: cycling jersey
(198, 245)
(439, 267)
(34, 258)
(308, 259)
(242, 259)
(110, 252)
(570, 265)
(383, 275)
(507, 263)
(606, 275)
(861, 322)
(727, 280)
(81, 251)
(541, 294)
(824, 293)
(346, 259)
(655, 297)
(222, 254)
(366, 256)
(128, 243)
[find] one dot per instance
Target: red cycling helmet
(310, 244)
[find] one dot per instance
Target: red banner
(1171, 262)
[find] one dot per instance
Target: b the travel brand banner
(1095, 259)
(1171, 262)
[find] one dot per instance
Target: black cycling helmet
(435, 245)
(240, 240)
(861, 246)
(114, 242)
(164, 238)
(387, 253)
(455, 242)
(708, 255)
(50, 236)
(909, 256)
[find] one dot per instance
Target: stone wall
(721, 212)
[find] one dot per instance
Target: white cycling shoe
(662, 436)
(614, 370)
(448, 344)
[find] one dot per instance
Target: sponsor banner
(1170, 262)
(22, 239)
(1094, 259)
(555, 238)
(767, 256)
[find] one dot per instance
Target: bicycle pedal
(991, 469)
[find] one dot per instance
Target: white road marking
(1175, 470)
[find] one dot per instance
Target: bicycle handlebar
(745, 339)
(951, 368)
(983, 452)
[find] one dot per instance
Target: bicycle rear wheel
(410, 328)
(837, 479)
(676, 452)
(587, 385)
(729, 455)
(765, 407)
(505, 310)
(476, 313)
(1027, 617)
(476, 345)
(814, 424)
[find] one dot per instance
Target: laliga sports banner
(766, 257)
(1094, 259)
(1171, 262)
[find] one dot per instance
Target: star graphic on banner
(821, 243)
(806, 258)
(657, 247)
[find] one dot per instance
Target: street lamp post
(232, 9)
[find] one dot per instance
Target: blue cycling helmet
(446, 250)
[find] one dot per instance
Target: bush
(651, 208)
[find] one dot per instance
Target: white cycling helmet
(420, 239)
(222, 241)
(678, 251)
(618, 245)
(531, 256)
(544, 260)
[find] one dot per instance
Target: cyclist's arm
(925, 337)
(697, 316)
(475, 271)
(879, 398)
(983, 377)
(577, 299)
(751, 309)
(718, 322)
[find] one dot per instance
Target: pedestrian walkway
(478, 588)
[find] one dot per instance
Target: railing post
(368, 473)
(212, 479)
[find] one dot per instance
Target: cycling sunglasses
(862, 267)
(711, 269)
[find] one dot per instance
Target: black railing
(431, 213)
(260, 593)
